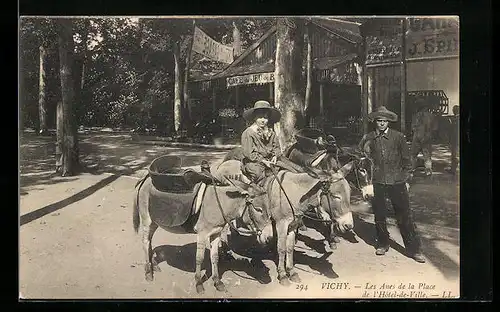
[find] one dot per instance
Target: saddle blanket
(174, 209)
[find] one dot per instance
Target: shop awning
(346, 30)
(330, 62)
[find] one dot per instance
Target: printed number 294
(301, 287)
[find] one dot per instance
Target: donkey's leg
(282, 229)
(332, 236)
(154, 262)
(290, 247)
(148, 230)
(201, 243)
(224, 250)
(214, 259)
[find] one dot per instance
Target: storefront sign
(210, 48)
(342, 74)
(383, 49)
(425, 38)
(431, 37)
(430, 24)
(250, 79)
(383, 40)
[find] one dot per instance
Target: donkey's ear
(236, 194)
(242, 188)
(239, 184)
(346, 168)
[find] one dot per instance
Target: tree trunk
(185, 87)
(77, 73)
(60, 135)
(67, 134)
(42, 94)
(236, 41)
(307, 100)
(86, 58)
(80, 79)
(177, 89)
(287, 79)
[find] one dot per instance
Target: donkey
(328, 162)
(359, 178)
(291, 196)
(220, 205)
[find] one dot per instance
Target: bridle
(254, 229)
(325, 191)
(357, 166)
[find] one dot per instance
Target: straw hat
(274, 114)
(383, 112)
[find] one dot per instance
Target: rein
(325, 190)
(247, 203)
(283, 190)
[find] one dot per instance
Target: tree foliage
(128, 76)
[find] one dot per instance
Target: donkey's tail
(136, 217)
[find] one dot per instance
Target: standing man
(392, 172)
(423, 126)
(454, 134)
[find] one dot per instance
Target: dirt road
(77, 241)
(88, 249)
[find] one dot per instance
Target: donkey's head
(335, 199)
(364, 175)
(255, 213)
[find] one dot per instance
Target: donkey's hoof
(333, 245)
(200, 289)
(336, 239)
(295, 278)
(149, 276)
(219, 285)
(284, 281)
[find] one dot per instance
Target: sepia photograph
(239, 157)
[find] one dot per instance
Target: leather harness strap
(247, 203)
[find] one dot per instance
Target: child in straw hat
(260, 144)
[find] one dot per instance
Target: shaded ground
(101, 152)
(77, 241)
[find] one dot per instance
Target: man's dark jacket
(390, 154)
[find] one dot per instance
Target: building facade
(407, 58)
(335, 98)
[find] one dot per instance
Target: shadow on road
(245, 256)
(317, 245)
(247, 247)
(449, 268)
(42, 179)
(111, 153)
(319, 264)
(184, 258)
(31, 216)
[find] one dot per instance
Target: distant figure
(423, 126)
(454, 137)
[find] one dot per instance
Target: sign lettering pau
(250, 79)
